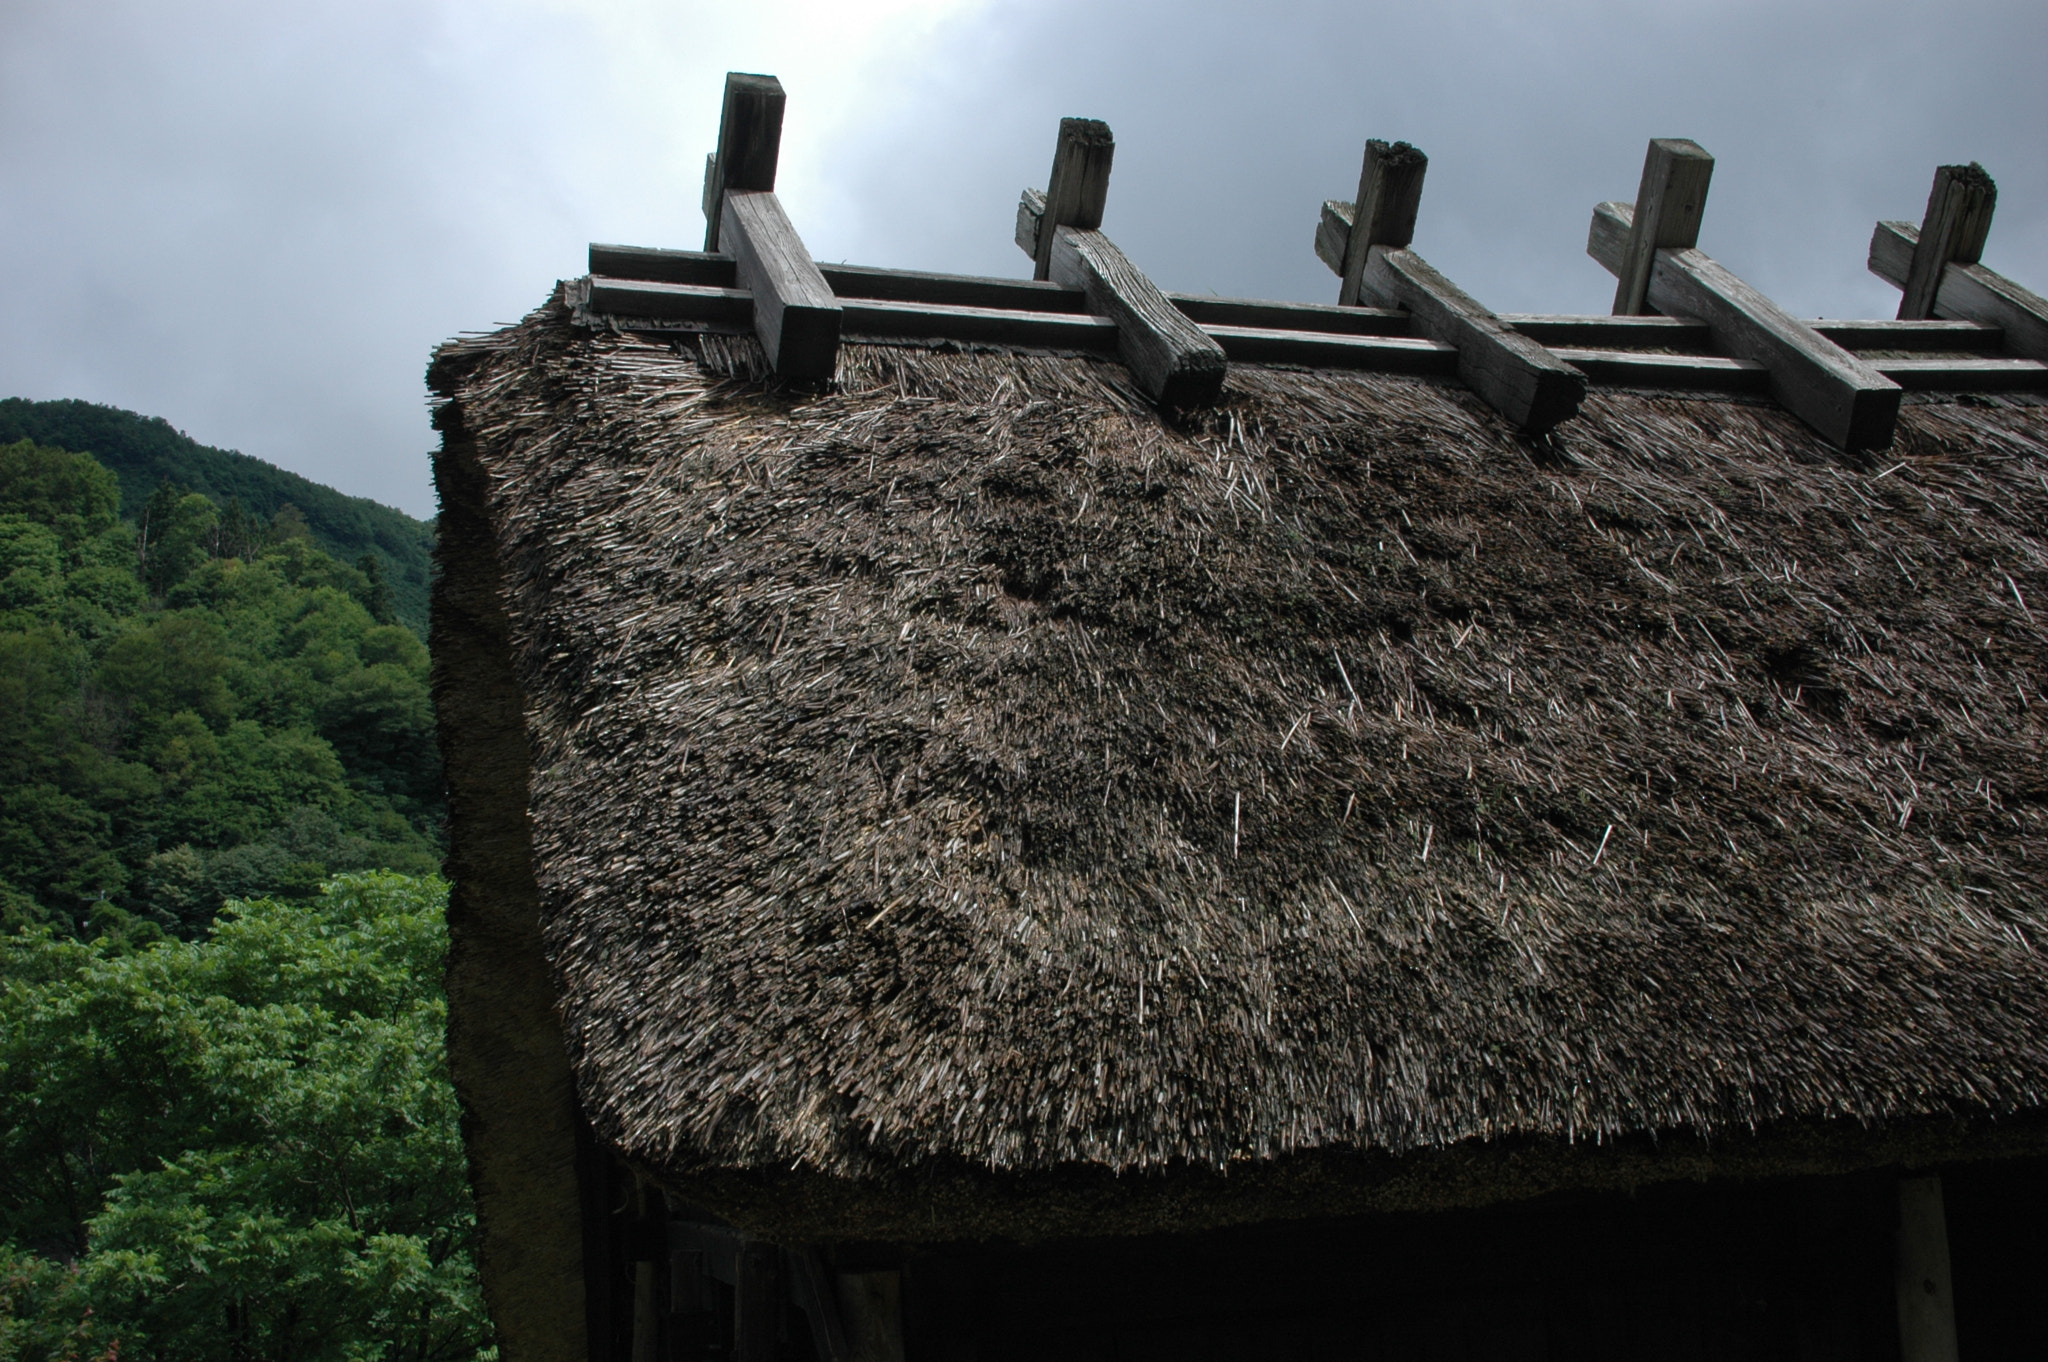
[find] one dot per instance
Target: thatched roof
(959, 787)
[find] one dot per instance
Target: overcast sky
(257, 219)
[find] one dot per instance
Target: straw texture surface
(969, 768)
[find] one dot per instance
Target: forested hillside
(145, 452)
(199, 702)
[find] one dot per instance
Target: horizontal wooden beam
(955, 290)
(655, 301)
(1611, 333)
(877, 319)
(1638, 369)
(1849, 403)
(1174, 363)
(1965, 373)
(1857, 336)
(1967, 292)
(1518, 377)
(1323, 350)
(1953, 232)
(1204, 309)
(1670, 202)
(749, 145)
(796, 314)
(708, 268)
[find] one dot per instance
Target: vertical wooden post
(871, 1303)
(1953, 232)
(1079, 188)
(1669, 205)
(1927, 1308)
(749, 143)
(1389, 196)
(757, 1303)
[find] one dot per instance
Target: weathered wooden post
(1938, 266)
(1389, 197)
(1174, 361)
(1851, 404)
(1953, 231)
(1366, 243)
(1669, 205)
(1927, 1307)
(796, 316)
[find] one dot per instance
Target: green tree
(248, 1144)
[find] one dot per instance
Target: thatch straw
(967, 768)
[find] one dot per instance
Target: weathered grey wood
(1174, 363)
(749, 144)
(1333, 233)
(1635, 369)
(707, 268)
(1205, 310)
(877, 319)
(954, 290)
(1856, 336)
(1611, 333)
(1849, 403)
(1078, 189)
(670, 302)
(1518, 377)
(1389, 196)
(796, 314)
(1669, 204)
(1953, 232)
(1926, 1297)
(1030, 220)
(871, 1304)
(1968, 292)
(1965, 373)
(1323, 350)
(819, 1300)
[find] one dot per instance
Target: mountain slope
(145, 451)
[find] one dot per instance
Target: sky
(256, 220)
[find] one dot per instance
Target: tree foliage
(198, 704)
(144, 452)
(239, 1147)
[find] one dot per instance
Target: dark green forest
(201, 703)
(226, 1126)
(144, 452)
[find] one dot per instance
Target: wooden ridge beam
(1953, 232)
(1669, 205)
(654, 300)
(1328, 350)
(1174, 362)
(707, 268)
(1851, 404)
(796, 314)
(1637, 369)
(878, 319)
(953, 290)
(1205, 310)
(749, 145)
(1967, 292)
(1610, 333)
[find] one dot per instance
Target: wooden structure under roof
(1681, 320)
